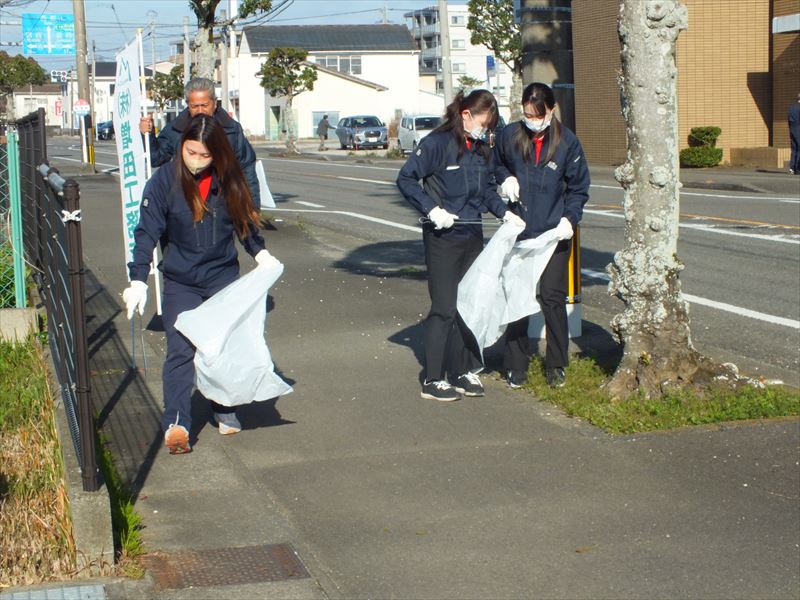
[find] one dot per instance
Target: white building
(465, 58)
(363, 69)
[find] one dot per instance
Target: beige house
(738, 69)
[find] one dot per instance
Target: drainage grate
(225, 566)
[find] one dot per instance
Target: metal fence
(12, 266)
(52, 235)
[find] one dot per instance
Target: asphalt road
(741, 250)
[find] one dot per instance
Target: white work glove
(564, 229)
(265, 259)
(514, 218)
(510, 189)
(135, 297)
(441, 218)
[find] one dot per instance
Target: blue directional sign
(48, 34)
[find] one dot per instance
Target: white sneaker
(228, 423)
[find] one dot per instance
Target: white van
(413, 128)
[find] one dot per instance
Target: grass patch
(395, 152)
(127, 523)
(583, 396)
(35, 527)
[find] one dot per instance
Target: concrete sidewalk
(382, 494)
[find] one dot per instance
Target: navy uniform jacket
(794, 119)
(165, 147)
(202, 254)
(549, 191)
(459, 184)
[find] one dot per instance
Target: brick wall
(785, 73)
(723, 74)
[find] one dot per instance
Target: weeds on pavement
(583, 396)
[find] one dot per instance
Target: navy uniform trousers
(178, 371)
(552, 297)
(449, 344)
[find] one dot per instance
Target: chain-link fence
(12, 270)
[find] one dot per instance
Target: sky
(109, 24)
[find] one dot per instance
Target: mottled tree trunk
(205, 54)
(654, 326)
(515, 95)
(288, 119)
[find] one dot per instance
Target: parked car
(105, 130)
(413, 128)
(362, 131)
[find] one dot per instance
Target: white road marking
(368, 180)
(757, 236)
(779, 198)
(113, 169)
(311, 204)
(791, 201)
(354, 215)
(332, 164)
(738, 310)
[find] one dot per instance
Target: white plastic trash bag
(500, 286)
(267, 201)
(232, 364)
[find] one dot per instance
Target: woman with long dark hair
(194, 206)
(454, 163)
(542, 170)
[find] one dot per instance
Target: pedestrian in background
(194, 206)
(542, 170)
(794, 137)
(454, 162)
(322, 131)
(201, 100)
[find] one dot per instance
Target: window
(458, 20)
(457, 44)
(459, 67)
(499, 91)
(344, 64)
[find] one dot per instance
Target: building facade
(364, 69)
(733, 71)
(466, 59)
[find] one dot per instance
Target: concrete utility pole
(223, 49)
(83, 72)
(94, 76)
(187, 58)
(444, 36)
(547, 51)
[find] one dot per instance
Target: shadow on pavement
(127, 413)
(387, 259)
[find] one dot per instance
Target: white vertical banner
(130, 149)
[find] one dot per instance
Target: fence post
(16, 219)
(89, 471)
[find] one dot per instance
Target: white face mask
(538, 125)
(477, 133)
(196, 165)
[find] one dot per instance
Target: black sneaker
(516, 379)
(555, 376)
(469, 384)
(439, 390)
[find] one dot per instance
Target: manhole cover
(225, 566)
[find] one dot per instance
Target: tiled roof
(325, 38)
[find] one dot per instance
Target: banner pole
(148, 169)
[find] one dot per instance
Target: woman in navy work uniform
(454, 164)
(194, 205)
(542, 170)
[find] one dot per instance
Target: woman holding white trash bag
(194, 206)
(543, 172)
(454, 163)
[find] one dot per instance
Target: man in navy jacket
(200, 99)
(794, 136)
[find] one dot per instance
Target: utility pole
(547, 51)
(187, 59)
(447, 67)
(223, 48)
(83, 76)
(94, 76)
